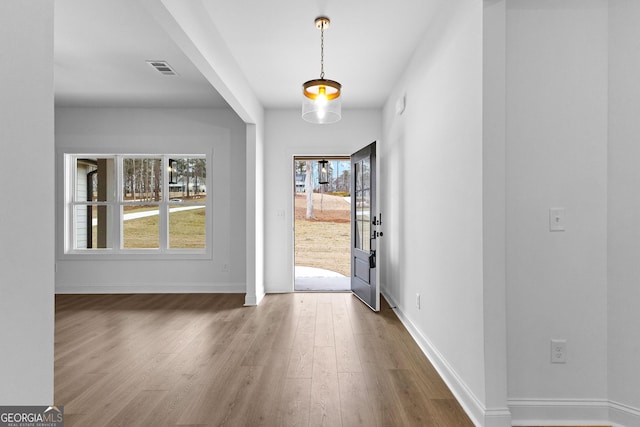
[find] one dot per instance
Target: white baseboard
(623, 415)
(473, 407)
(571, 412)
(153, 288)
(560, 412)
(497, 418)
(250, 301)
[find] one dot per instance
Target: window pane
(366, 174)
(187, 227)
(92, 227)
(188, 179)
(359, 234)
(362, 196)
(95, 180)
(366, 235)
(142, 179)
(140, 227)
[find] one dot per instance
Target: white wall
(27, 226)
(255, 222)
(557, 157)
(158, 130)
(432, 197)
(624, 212)
(494, 212)
(286, 136)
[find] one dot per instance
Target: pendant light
(323, 172)
(321, 101)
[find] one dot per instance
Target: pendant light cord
(322, 52)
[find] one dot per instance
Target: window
(136, 203)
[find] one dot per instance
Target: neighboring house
(300, 178)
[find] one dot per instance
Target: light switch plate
(556, 219)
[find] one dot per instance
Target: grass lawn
(325, 240)
(186, 231)
(141, 233)
(324, 245)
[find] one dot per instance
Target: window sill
(136, 255)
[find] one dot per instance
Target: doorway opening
(322, 223)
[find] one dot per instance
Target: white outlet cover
(558, 351)
(556, 219)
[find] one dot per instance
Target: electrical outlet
(558, 351)
(418, 301)
(556, 219)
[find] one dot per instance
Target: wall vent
(163, 68)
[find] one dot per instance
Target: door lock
(376, 221)
(372, 259)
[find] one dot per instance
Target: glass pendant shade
(321, 101)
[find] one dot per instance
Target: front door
(364, 235)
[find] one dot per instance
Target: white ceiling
(101, 48)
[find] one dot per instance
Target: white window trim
(117, 252)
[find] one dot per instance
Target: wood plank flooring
(303, 359)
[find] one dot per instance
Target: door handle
(372, 259)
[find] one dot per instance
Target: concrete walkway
(136, 215)
(318, 279)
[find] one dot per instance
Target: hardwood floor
(303, 359)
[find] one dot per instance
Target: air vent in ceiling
(163, 68)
